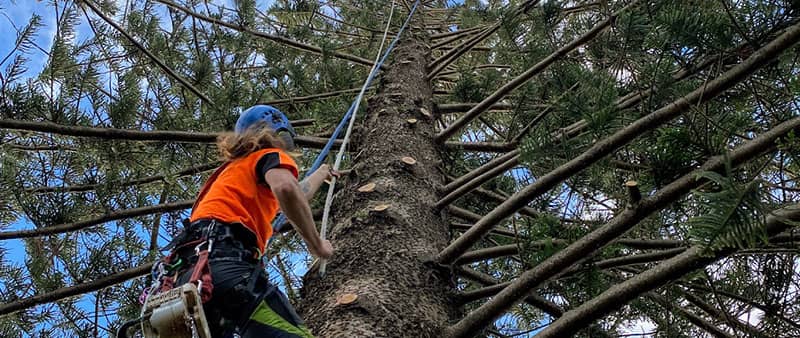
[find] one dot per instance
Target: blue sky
(17, 13)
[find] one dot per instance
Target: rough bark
(380, 255)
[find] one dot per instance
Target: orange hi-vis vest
(237, 193)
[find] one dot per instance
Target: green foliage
(93, 76)
(731, 216)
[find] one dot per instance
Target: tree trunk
(380, 255)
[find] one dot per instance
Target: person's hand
(325, 250)
(328, 172)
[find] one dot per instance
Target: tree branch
(501, 232)
(466, 187)
(486, 147)
(136, 135)
(499, 198)
(275, 38)
(722, 316)
(768, 311)
(87, 187)
(587, 245)
(533, 299)
(310, 97)
(463, 179)
(605, 147)
(525, 77)
(75, 290)
(173, 74)
(112, 216)
(458, 32)
(454, 53)
(621, 293)
(691, 317)
(449, 108)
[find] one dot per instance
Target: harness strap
(201, 275)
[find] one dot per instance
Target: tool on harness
(175, 313)
(169, 311)
(201, 241)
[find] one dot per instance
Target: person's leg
(275, 317)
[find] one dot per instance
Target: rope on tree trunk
(277, 225)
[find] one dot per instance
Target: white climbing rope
(329, 197)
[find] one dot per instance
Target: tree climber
(233, 213)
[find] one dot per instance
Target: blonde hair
(237, 145)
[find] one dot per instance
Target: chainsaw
(177, 313)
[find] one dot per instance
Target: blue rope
(277, 225)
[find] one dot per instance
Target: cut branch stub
(425, 113)
(369, 187)
(408, 160)
(381, 207)
(634, 195)
(346, 299)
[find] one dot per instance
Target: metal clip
(210, 237)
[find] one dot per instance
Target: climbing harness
(169, 311)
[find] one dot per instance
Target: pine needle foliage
(68, 66)
(732, 215)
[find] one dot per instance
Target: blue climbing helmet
(274, 119)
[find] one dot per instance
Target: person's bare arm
(311, 184)
(295, 206)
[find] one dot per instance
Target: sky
(15, 15)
